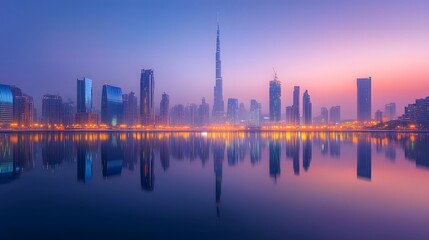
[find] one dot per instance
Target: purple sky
(323, 46)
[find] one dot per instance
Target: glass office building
(6, 104)
(84, 95)
(111, 105)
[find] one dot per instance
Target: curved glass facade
(111, 105)
(6, 104)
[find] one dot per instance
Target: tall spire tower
(218, 105)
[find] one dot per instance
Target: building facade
(296, 116)
(52, 106)
(6, 104)
(84, 95)
(147, 91)
(218, 112)
(130, 115)
(275, 100)
(232, 110)
(111, 105)
(307, 108)
(335, 115)
(364, 99)
(164, 109)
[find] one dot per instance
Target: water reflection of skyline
(119, 151)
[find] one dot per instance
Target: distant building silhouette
(24, 110)
(204, 113)
(324, 116)
(379, 116)
(164, 109)
(147, 91)
(177, 115)
(295, 107)
(84, 95)
(289, 115)
(275, 100)
(364, 99)
(335, 115)
(68, 113)
(255, 113)
(52, 109)
(111, 105)
(232, 110)
(390, 111)
(307, 109)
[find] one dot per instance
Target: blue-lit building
(84, 95)
(275, 100)
(307, 108)
(6, 104)
(364, 99)
(111, 105)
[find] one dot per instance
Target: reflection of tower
(295, 155)
(334, 145)
(218, 156)
(306, 152)
(131, 151)
(364, 157)
(147, 168)
(9, 169)
(52, 150)
(164, 152)
(274, 158)
(255, 148)
(84, 162)
(203, 149)
(232, 152)
(111, 157)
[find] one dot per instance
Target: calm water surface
(214, 186)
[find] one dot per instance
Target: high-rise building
(68, 113)
(164, 109)
(6, 104)
(147, 91)
(218, 105)
(16, 93)
(232, 110)
(306, 106)
(255, 113)
(295, 107)
(417, 112)
(289, 114)
(111, 105)
(390, 111)
(24, 110)
(335, 115)
(204, 113)
(84, 95)
(191, 115)
(177, 115)
(275, 99)
(52, 109)
(364, 99)
(130, 108)
(242, 113)
(379, 116)
(324, 115)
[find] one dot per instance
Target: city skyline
(390, 48)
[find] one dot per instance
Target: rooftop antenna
(275, 74)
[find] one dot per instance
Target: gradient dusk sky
(323, 46)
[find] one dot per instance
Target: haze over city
(322, 47)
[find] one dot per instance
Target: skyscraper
(295, 106)
(324, 115)
(147, 89)
(335, 115)
(390, 111)
(255, 113)
(289, 113)
(306, 104)
(364, 99)
(204, 113)
(111, 105)
(164, 109)
(218, 105)
(24, 110)
(84, 95)
(6, 104)
(232, 110)
(275, 100)
(130, 108)
(52, 109)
